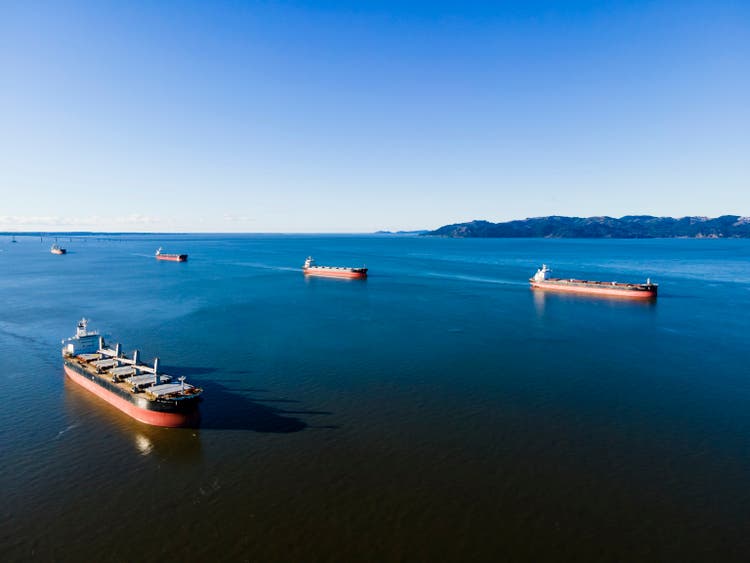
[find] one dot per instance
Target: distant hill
(630, 226)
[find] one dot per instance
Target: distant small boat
(540, 280)
(56, 249)
(13, 239)
(310, 269)
(170, 257)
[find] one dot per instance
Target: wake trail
(64, 430)
(475, 279)
(267, 267)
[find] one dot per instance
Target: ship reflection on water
(544, 299)
(312, 280)
(539, 302)
(176, 445)
(144, 444)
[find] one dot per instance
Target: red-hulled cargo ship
(170, 257)
(646, 290)
(311, 269)
(136, 389)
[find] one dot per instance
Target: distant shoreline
(627, 227)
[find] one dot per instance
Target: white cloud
(96, 222)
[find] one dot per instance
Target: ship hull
(172, 257)
(57, 251)
(637, 292)
(355, 273)
(155, 415)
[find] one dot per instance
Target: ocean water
(438, 411)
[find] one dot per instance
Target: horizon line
(39, 232)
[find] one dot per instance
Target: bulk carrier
(312, 269)
(646, 290)
(137, 389)
(170, 257)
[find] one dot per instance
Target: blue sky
(295, 116)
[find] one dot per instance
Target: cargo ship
(311, 269)
(137, 389)
(541, 280)
(56, 249)
(170, 257)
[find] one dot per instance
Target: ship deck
(602, 284)
(337, 268)
(110, 372)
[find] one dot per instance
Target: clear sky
(294, 116)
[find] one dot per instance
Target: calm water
(439, 410)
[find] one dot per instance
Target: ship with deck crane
(310, 268)
(542, 281)
(139, 390)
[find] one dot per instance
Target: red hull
(167, 419)
(172, 257)
(596, 290)
(343, 273)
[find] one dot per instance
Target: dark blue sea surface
(438, 411)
